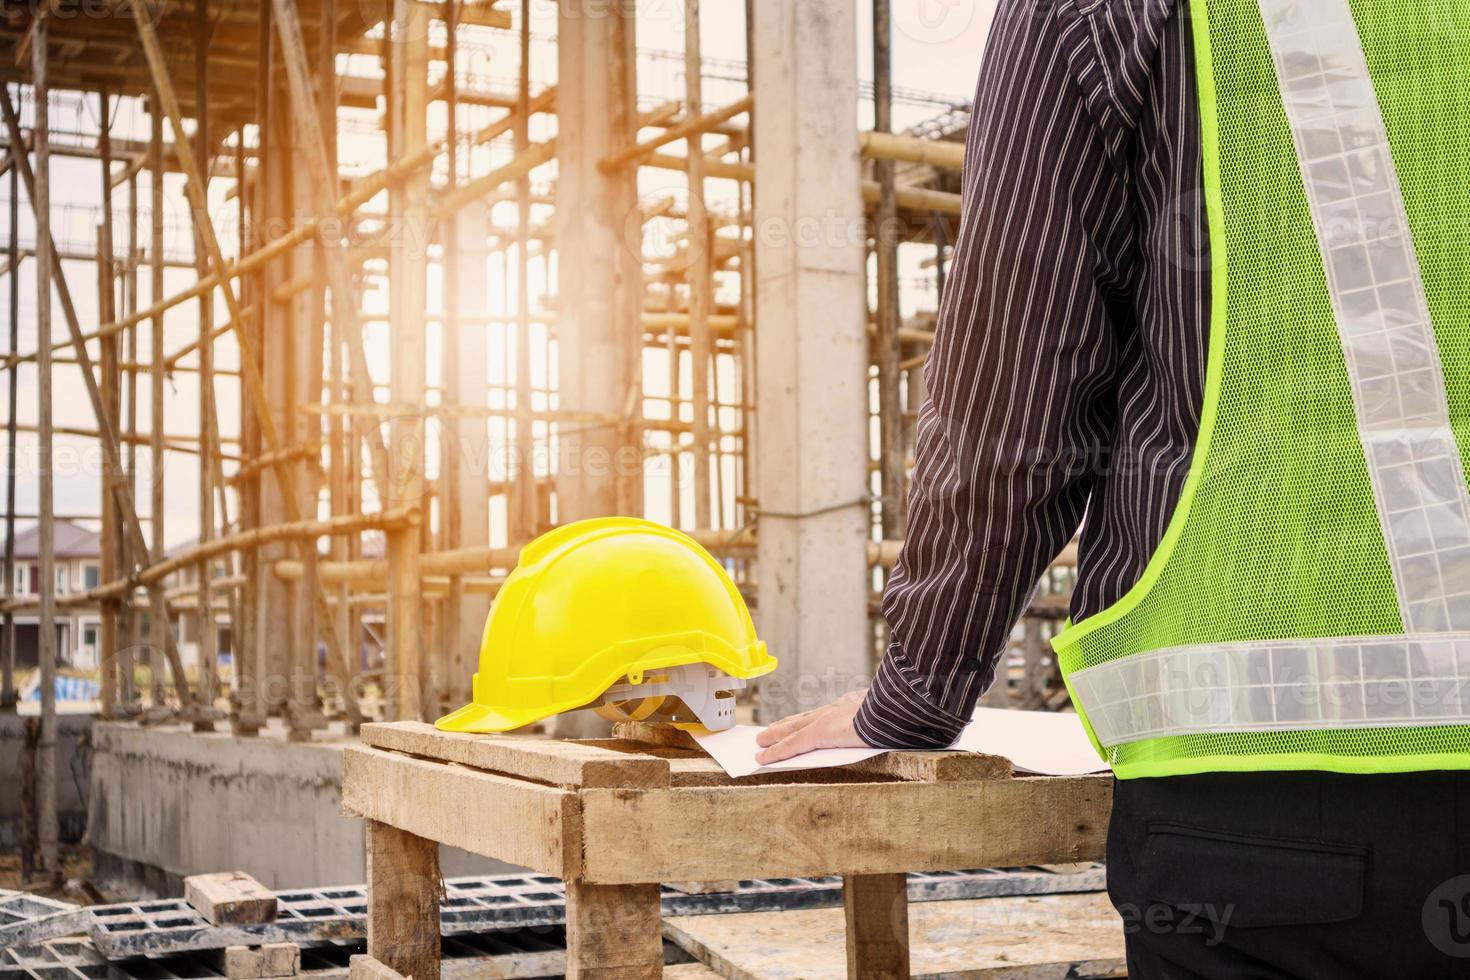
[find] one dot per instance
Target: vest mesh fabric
(1276, 534)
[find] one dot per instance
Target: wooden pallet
(615, 817)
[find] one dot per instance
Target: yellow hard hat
(596, 605)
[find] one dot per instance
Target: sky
(937, 47)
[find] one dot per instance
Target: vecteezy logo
(1446, 917)
(933, 21)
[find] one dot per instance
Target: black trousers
(1297, 874)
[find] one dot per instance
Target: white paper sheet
(734, 749)
(1043, 742)
(1048, 743)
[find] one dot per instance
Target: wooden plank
(876, 909)
(230, 897)
(509, 819)
(266, 962)
(403, 901)
(935, 766)
(1025, 937)
(364, 967)
(644, 731)
(704, 771)
(911, 766)
(544, 760)
(859, 828)
(613, 932)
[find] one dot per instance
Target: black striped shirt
(1067, 370)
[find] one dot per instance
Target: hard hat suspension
(686, 694)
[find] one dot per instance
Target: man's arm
(1020, 383)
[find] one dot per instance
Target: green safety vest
(1309, 604)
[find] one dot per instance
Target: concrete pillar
(409, 677)
(274, 625)
(599, 278)
(472, 445)
(812, 363)
(597, 271)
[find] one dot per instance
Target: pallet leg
(403, 901)
(877, 909)
(614, 932)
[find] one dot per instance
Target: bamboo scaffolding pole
(345, 300)
(363, 191)
(543, 102)
(208, 642)
(397, 519)
(204, 225)
(450, 498)
(250, 713)
(526, 508)
(7, 625)
(887, 344)
(156, 388)
(111, 557)
(700, 273)
(695, 125)
(109, 441)
(882, 145)
(171, 362)
(128, 620)
(47, 818)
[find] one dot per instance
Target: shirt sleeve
(1020, 378)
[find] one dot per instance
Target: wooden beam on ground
(230, 898)
(268, 961)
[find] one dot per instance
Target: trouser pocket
(1242, 881)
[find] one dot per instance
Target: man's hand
(827, 727)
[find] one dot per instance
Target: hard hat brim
(481, 718)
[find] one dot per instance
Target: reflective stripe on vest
(1377, 294)
(1279, 685)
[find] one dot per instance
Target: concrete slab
(1036, 937)
(168, 802)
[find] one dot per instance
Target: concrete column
(409, 675)
(472, 443)
(274, 625)
(307, 316)
(599, 278)
(812, 361)
(597, 271)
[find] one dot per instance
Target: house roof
(72, 541)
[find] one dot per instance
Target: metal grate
(26, 918)
(494, 904)
(60, 959)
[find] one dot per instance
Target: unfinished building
(395, 308)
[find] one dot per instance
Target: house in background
(78, 568)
